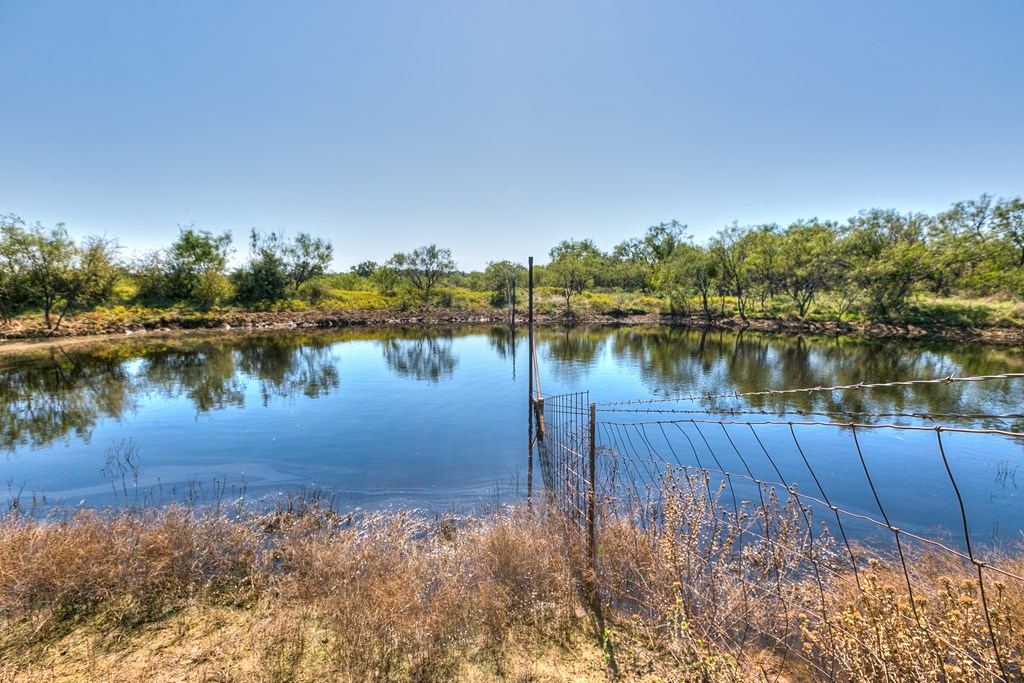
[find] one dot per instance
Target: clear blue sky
(498, 128)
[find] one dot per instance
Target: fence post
(591, 496)
(529, 391)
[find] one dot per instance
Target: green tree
(765, 244)
(691, 270)
(1008, 227)
(423, 268)
(149, 273)
(807, 261)
(886, 257)
(978, 247)
(49, 270)
(635, 261)
(12, 246)
(99, 267)
(574, 265)
(265, 276)
(364, 269)
(385, 280)
(315, 291)
(963, 248)
(504, 278)
(474, 280)
(49, 260)
(307, 257)
(630, 266)
(193, 268)
(731, 247)
(278, 267)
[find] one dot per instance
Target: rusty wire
(814, 413)
(819, 389)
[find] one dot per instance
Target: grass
(967, 312)
(305, 592)
(725, 594)
(299, 593)
(939, 633)
(622, 304)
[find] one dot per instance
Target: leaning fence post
(591, 497)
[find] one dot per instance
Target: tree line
(45, 269)
(871, 264)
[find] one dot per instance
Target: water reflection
(503, 341)
(59, 394)
(55, 396)
(427, 356)
(285, 369)
(205, 375)
(672, 363)
(678, 362)
(572, 352)
(213, 374)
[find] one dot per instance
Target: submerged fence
(833, 533)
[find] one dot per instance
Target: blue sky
(499, 128)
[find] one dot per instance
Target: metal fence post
(591, 496)
(529, 391)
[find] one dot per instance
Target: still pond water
(438, 418)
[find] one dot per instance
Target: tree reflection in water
(573, 351)
(503, 341)
(61, 394)
(675, 362)
(427, 356)
(56, 395)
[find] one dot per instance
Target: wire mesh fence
(828, 536)
(564, 456)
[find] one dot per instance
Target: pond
(437, 418)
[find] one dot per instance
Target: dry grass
(691, 589)
(712, 592)
(126, 567)
(934, 627)
(709, 589)
(300, 593)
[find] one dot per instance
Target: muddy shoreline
(15, 338)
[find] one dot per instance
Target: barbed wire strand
(819, 389)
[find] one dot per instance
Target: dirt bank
(26, 334)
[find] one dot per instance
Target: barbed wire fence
(836, 544)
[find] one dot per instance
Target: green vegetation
(192, 270)
(279, 269)
(961, 267)
(878, 266)
(574, 267)
(423, 268)
(46, 269)
(504, 279)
